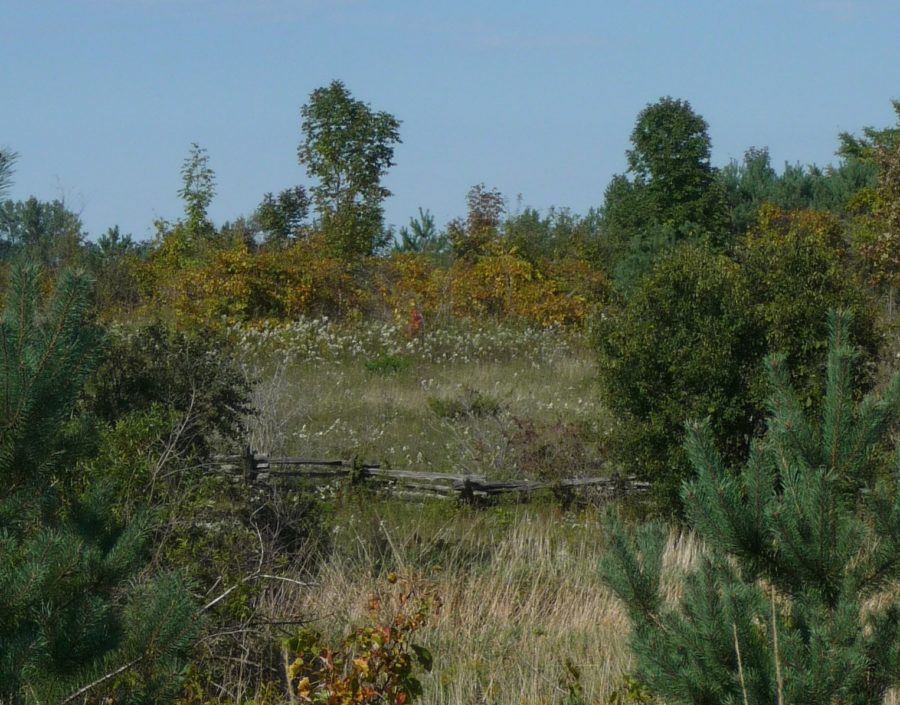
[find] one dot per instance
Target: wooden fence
(258, 468)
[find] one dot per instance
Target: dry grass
(520, 595)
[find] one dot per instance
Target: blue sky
(102, 98)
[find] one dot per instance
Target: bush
(685, 345)
(793, 595)
(798, 268)
(690, 341)
(377, 663)
(192, 375)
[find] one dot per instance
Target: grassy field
(496, 401)
(524, 617)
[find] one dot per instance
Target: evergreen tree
(76, 611)
(793, 598)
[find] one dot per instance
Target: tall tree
(7, 161)
(672, 193)
(197, 191)
(670, 156)
(348, 148)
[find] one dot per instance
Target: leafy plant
(685, 344)
(793, 598)
(377, 663)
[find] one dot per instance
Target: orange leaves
(231, 282)
(376, 663)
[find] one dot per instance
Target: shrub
(798, 268)
(376, 663)
(192, 375)
(793, 598)
(685, 345)
(690, 341)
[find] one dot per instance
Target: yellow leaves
(230, 282)
(304, 688)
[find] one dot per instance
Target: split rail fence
(259, 468)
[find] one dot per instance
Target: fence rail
(257, 468)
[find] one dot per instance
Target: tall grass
(368, 390)
(519, 588)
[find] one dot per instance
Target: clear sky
(102, 98)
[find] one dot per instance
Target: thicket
(81, 615)
(793, 597)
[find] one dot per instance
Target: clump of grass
(471, 403)
(386, 364)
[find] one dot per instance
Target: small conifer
(77, 610)
(794, 598)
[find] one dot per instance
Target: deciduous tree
(348, 148)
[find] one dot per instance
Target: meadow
(524, 617)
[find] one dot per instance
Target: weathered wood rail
(258, 468)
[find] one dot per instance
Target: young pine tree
(794, 598)
(77, 609)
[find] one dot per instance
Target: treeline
(325, 249)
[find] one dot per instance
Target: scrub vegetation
(728, 334)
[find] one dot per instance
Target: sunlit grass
(318, 395)
(519, 584)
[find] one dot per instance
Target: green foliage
(750, 184)
(113, 263)
(377, 663)
(7, 162)
(674, 193)
(387, 364)
(422, 236)
(192, 375)
(45, 232)
(348, 149)
(281, 218)
(557, 235)
(798, 268)
(690, 340)
(685, 344)
(670, 157)
(79, 613)
(793, 598)
(470, 404)
(197, 191)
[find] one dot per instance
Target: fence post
(248, 460)
(466, 493)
